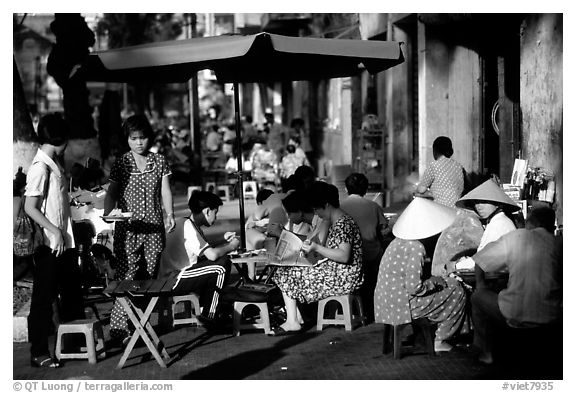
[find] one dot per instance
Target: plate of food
(122, 216)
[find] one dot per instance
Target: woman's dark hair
(356, 183)
(306, 174)
(320, 193)
(542, 217)
(297, 202)
(53, 130)
(442, 145)
(297, 122)
(291, 149)
(295, 139)
(293, 182)
(138, 123)
(200, 200)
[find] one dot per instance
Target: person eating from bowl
(403, 293)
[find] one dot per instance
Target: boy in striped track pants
(204, 269)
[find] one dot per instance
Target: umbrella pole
(240, 165)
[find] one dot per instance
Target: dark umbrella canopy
(236, 59)
(262, 57)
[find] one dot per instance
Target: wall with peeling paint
(541, 101)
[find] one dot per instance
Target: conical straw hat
(490, 192)
(423, 218)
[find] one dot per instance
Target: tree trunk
(23, 128)
(73, 39)
(23, 135)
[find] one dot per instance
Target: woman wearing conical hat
(493, 207)
(402, 294)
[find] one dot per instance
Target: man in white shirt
(204, 269)
(533, 295)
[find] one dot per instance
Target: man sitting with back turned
(203, 268)
(373, 227)
(533, 296)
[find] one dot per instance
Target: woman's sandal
(44, 361)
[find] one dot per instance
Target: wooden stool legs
(393, 336)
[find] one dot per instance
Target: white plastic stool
(194, 302)
(92, 331)
(250, 189)
(225, 190)
(191, 189)
(262, 323)
(347, 318)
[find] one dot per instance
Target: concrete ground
(332, 354)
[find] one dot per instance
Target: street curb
(20, 324)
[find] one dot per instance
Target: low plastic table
(126, 292)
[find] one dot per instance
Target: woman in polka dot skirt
(402, 293)
(139, 183)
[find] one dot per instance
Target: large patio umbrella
(235, 59)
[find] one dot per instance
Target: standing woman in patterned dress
(403, 293)
(139, 183)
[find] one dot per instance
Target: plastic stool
(210, 186)
(264, 321)
(393, 337)
(225, 189)
(347, 318)
(191, 189)
(194, 309)
(250, 189)
(94, 335)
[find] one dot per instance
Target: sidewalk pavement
(332, 354)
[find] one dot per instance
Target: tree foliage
(133, 29)
(124, 30)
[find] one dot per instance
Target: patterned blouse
(310, 284)
(399, 275)
(140, 192)
(445, 178)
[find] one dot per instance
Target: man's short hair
(53, 130)
(200, 200)
(356, 183)
(297, 202)
(542, 217)
(320, 193)
(263, 194)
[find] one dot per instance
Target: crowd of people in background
(271, 151)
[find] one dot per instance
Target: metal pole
(240, 164)
(195, 133)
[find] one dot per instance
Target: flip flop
(280, 331)
(44, 361)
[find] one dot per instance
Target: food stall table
(127, 292)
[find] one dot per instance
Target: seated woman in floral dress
(339, 274)
(402, 292)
